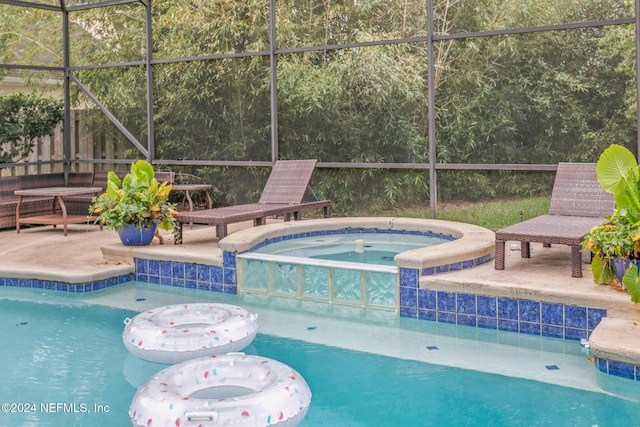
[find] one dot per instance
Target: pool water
(366, 257)
(65, 365)
(367, 248)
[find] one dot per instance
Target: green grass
(493, 215)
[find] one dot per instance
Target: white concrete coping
(471, 241)
(616, 339)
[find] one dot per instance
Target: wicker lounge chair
(578, 203)
(282, 195)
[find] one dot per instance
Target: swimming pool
(65, 355)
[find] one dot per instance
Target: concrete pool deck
(88, 254)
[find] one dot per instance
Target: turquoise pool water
(65, 365)
(366, 248)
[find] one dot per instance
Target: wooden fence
(89, 141)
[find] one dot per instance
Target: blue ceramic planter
(130, 236)
(620, 266)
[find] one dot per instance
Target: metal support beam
(433, 189)
(273, 64)
(151, 149)
(66, 144)
(110, 116)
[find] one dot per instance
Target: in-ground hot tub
(376, 285)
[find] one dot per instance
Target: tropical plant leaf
(617, 172)
(631, 281)
(602, 271)
(613, 166)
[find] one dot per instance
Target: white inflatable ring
(228, 390)
(176, 333)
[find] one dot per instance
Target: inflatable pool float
(227, 390)
(176, 333)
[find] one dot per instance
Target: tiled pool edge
(73, 288)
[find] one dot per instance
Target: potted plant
(135, 206)
(616, 244)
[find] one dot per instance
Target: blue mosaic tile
(204, 286)
(144, 278)
(487, 322)
(530, 328)
(552, 314)
(427, 314)
(12, 282)
(442, 268)
(77, 288)
(427, 299)
(455, 266)
(446, 301)
(594, 316)
(575, 317)
(575, 334)
(179, 282)
(408, 277)
(165, 281)
(229, 276)
(428, 271)
(507, 308)
(602, 365)
(190, 271)
(620, 369)
(177, 270)
(142, 265)
(231, 289)
(508, 325)
(216, 275)
(204, 273)
(190, 284)
(446, 317)
(99, 285)
(217, 287)
(466, 304)
(166, 269)
(487, 306)
(553, 331)
(468, 264)
(408, 297)
(154, 267)
(37, 284)
(466, 320)
(529, 311)
(228, 259)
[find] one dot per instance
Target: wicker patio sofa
(578, 203)
(33, 206)
(282, 195)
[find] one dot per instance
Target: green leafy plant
(24, 119)
(136, 199)
(618, 173)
